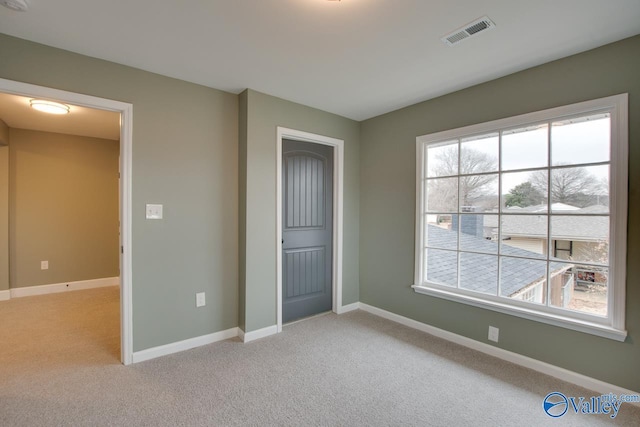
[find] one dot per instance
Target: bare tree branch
(571, 186)
(473, 188)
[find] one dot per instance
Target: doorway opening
(125, 112)
(337, 152)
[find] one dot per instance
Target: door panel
(304, 271)
(304, 191)
(307, 229)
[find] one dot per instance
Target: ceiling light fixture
(17, 5)
(49, 106)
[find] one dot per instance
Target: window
(527, 215)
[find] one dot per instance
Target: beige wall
(4, 207)
(533, 245)
(63, 196)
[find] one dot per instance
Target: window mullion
(458, 213)
(498, 288)
(549, 201)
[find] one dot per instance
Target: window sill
(548, 318)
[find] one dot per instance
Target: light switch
(493, 333)
(200, 301)
(154, 211)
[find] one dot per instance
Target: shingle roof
(479, 272)
(578, 227)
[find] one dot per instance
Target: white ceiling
(17, 113)
(356, 58)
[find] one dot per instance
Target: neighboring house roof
(476, 273)
(595, 209)
(543, 208)
(578, 228)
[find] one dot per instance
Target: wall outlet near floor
(153, 211)
(493, 333)
(200, 301)
(44, 265)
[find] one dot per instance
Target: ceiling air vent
(470, 30)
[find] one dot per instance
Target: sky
(576, 141)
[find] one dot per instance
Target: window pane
(581, 238)
(581, 140)
(525, 191)
(442, 195)
(479, 273)
(580, 190)
(517, 214)
(478, 193)
(442, 159)
(523, 279)
(440, 233)
(525, 148)
(524, 235)
(475, 233)
(442, 267)
(479, 154)
(580, 288)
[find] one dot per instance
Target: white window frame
(613, 326)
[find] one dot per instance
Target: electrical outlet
(153, 211)
(493, 333)
(44, 265)
(200, 301)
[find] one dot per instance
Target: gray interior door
(307, 229)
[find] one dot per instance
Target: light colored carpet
(350, 370)
(68, 329)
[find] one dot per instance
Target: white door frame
(338, 192)
(126, 141)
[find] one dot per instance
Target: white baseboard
(64, 287)
(5, 295)
(527, 362)
(349, 307)
(176, 347)
(260, 333)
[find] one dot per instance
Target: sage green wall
(264, 114)
(4, 206)
(63, 204)
(185, 148)
(388, 204)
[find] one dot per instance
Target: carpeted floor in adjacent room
(59, 365)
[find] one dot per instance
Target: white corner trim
(64, 287)
(518, 359)
(349, 307)
(126, 234)
(176, 347)
(260, 333)
(241, 334)
(5, 295)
